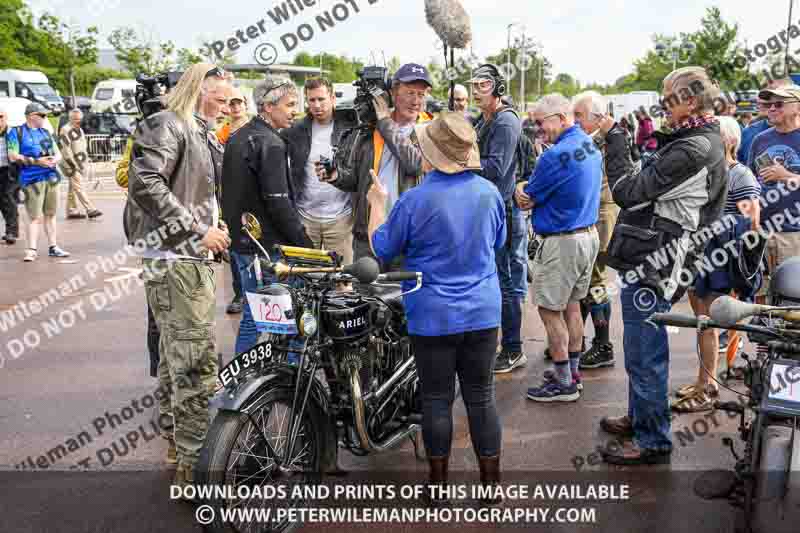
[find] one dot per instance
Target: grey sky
(593, 40)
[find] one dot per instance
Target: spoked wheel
(247, 453)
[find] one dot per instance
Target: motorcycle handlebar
(792, 348)
(674, 319)
(397, 276)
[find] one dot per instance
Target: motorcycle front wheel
(241, 454)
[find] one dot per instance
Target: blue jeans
(647, 364)
(248, 333)
(512, 265)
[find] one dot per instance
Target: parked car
(107, 134)
(84, 103)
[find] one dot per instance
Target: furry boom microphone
(450, 22)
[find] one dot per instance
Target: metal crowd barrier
(105, 148)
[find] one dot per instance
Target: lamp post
(677, 53)
(508, 49)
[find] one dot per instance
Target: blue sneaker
(553, 391)
(550, 375)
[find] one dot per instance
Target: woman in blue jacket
(448, 228)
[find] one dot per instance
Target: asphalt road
(76, 374)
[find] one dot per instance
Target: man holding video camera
(171, 218)
(390, 152)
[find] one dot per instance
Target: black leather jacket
(172, 184)
(256, 178)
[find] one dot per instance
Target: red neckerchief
(697, 122)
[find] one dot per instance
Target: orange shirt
(224, 133)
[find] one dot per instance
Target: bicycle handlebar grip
(398, 276)
(674, 319)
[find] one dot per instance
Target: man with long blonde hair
(171, 219)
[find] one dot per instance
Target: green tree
(564, 84)
(140, 53)
(716, 48)
(524, 58)
(340, 69)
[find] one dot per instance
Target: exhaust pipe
(359, 416)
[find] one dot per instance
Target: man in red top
(644, 136)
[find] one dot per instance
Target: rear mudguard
(245, 397)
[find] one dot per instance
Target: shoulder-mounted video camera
(359, 116)
(149, 90)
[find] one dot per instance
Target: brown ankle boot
(490, 476)
(438, 477)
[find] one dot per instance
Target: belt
(586, 229)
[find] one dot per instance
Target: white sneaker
(30, 255)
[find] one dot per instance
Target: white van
(15, 112)
(31, 85)
(117, 96)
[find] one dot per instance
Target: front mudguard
(245, 397)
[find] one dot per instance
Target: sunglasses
(40, 115)
(778, 105)
(216, 71)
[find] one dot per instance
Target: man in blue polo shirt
(565, 192)
(34, 149)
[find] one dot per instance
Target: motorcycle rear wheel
(237, 455)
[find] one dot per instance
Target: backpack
(525, 158)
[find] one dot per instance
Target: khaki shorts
(563, 269)
(41, 198)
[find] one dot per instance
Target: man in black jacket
(256, 179)
(655, 248)
(325, 211)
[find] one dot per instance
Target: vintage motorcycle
(765, 482)
(333, 367)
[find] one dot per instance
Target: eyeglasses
(538, 123)
(40, 115)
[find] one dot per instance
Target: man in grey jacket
(171, 218)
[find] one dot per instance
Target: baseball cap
(790, 92)
(236, 94)
(36, 107)
(411, 72)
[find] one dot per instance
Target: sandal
(696, 402)
(686, 390)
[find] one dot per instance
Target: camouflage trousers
(181, 295)
(606, 220)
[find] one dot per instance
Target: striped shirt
(3, 150)
(742, 185)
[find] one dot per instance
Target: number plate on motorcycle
(784, 386)
(253, 358)
(273, 313)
